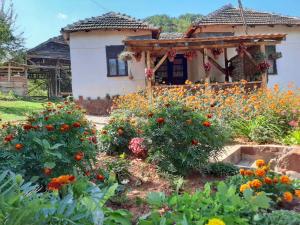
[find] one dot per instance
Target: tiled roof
(231, 15)
(170, 35)
(109, 20)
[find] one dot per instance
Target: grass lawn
(17, 110)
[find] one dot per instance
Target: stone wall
(97, 107)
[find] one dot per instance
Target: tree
(11, 44)
(173, 24)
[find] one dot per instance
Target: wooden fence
(17, 84)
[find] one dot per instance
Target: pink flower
(137, 147)
(293, 123)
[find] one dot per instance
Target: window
(271, 56)
(115, 66)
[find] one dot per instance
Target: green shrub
(115, 136)
(198, 208)
(278, 217)
(181, 140)
(119, 166)
(221, 169)
(81, 203)
(8, 96)
(293, 138)
(50, 143)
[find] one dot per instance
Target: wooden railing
(249, 86)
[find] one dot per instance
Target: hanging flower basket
(190, 55)
(207, 67)
(241, 50)
(137, 56)
(126, 56)
(263, 66)
(216, 52)
(149, 73)
(171, 55)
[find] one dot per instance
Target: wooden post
(149, 81)
(9, 72)
(264, 76)
(226, 65)
(205, 61)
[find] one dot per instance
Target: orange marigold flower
(256, 184)
(195, 142)
(206, 124)
(244, 187)
(150, 115)
(49, 127)
(47, 171)
(160, 120)
(268, 180)
(288, 196)
(120, 131)
(79, 156)
(19, 146)
(76, 125)
(260, 163)
(242, 172)
(64, 127)
(248, 173)
(209, 116)
(9, 138)
(275, 180)
(297, 193)
(54, 186)
(100, 177)
(260, 172)
(64, 179)
(285, 179)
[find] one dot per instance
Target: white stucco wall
(288, 65)
(89, 68)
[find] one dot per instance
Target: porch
(218, 61)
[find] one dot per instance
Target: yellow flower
(260, 163)
(244, 187)
(215, 221)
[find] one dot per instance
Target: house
(214, 49)
(50, 61)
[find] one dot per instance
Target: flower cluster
(58, 182)
(137, 147)
(261, 179)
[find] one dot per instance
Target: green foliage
(278, 217)
(293, 138)
(11, 45)
(38, 88)
(181, 143)
(21, 204)
(115, 136)
(49, 144)
(224, 204)
(8, 96)
(174, 24)
(220, 169)
(119, 166)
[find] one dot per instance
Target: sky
(40, 20)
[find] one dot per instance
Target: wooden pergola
(203, 44)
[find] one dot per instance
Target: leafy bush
(293, 138)
(81, 203)
(223, 205)
(221, 169)
(115, 136)
(49, 143)
(278, 217)
(8, 96)
(181, 140)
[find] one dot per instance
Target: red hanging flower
(207, 67)
(216, 52)
(190, 55)
(263, 66)
(171, 55)
(149, 73)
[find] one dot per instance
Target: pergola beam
(160, 62)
